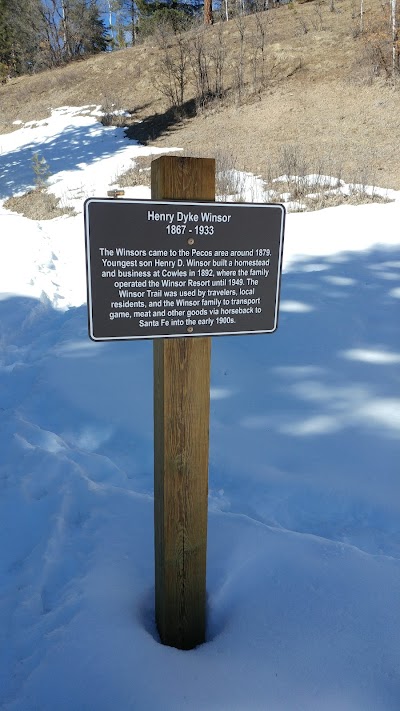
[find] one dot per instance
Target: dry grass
(303, 183)
(37, 205)
(319, 87)
(138, 174)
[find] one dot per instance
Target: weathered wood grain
(181, 444)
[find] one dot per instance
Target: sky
(303, 568)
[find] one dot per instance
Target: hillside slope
(319, 93)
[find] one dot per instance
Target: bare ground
(37, 204)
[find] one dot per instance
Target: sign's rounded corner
(93, 338)
(88, 201)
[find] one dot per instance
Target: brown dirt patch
(37, 205)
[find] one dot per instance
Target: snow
(303, 573)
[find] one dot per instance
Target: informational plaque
(163, 269)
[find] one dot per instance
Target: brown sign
(159, 269)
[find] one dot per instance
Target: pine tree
(41, 170)
(84, 30)
(6, 41)
(177, 14)
(21, 35)
(129, 14)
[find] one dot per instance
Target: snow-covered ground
(304, 525)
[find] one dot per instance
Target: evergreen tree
(178, 14)
(84, 30)
(129, 15)
(35, 34)
(6, 41)
(121, 19)
(21, 35)
(128, 18)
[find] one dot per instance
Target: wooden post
(181, 439)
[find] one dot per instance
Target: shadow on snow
(309, 416)
(74, 146)
(304, 423)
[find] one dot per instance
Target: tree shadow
(304, 422)
(157, 125)
(309, 416)
(73, 149)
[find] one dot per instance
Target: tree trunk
(208, 13)
(395, 65)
